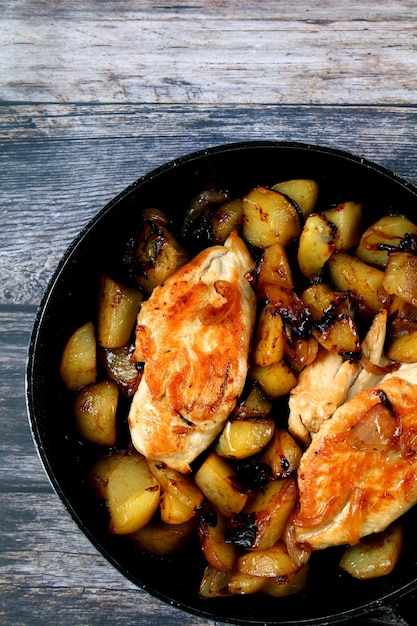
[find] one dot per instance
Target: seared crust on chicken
(360, 472)
(194, 335)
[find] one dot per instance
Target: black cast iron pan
(71, 300)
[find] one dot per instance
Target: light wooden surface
(95, 94)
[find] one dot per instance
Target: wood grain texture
(210, 53)
(65, 162)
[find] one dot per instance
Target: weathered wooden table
(95, 94)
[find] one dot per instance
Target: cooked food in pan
(266, 351)
(193, 334)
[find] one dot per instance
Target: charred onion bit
(292, 309)
(253, 474)
(197, 222)
(407, 244)
(241, 530)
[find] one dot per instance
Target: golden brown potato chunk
(242, 438)
(316, 245)
(163, 539)
(375, 555)
(79, 359)
(220, 485)
(270, 510)
(275, 380)
(269, 340)
(133, 495)
(269, 563)
(94, 410)
(385, 235)
(226, 219)
(349, 273)
(302, 190)
(400, 276)
(269, 217)
(217, 552)
(118, 308)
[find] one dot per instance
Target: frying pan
(71, 300)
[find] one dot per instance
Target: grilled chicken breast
(193, 334)
(360, 471)
(330, 380)
(321, 388)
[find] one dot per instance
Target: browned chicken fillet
(321, 388)
(330, 380)
(193, 334)
(360, 472)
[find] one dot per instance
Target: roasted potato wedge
(117, 311)
(244, 584)
(94, 411)
(337, 229)
(163, 539)
(217, 552)
(299, 351)
(254, 405)
(286, 585)
(294, 312)
(384, 236)
(158, 253)
(269, 217)
(226, 218)
(375, 555)
(181, 498)
(269, 340)
(220, 485)
(133, 495)
(321, 299)
(400, 276)
(268, 513)
(403, 348)
(316, 245)
(282, 454)
(99, 476)
(338, 333)
(242, 438)
(269, 563)
(179, 503)
(303, 191)
(273, 267)
(347, 217)
(79, 358)
(349, 273)
(275, 380)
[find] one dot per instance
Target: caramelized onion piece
(299, 552)
(200, 203)
(376, 428)
(378, 370)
